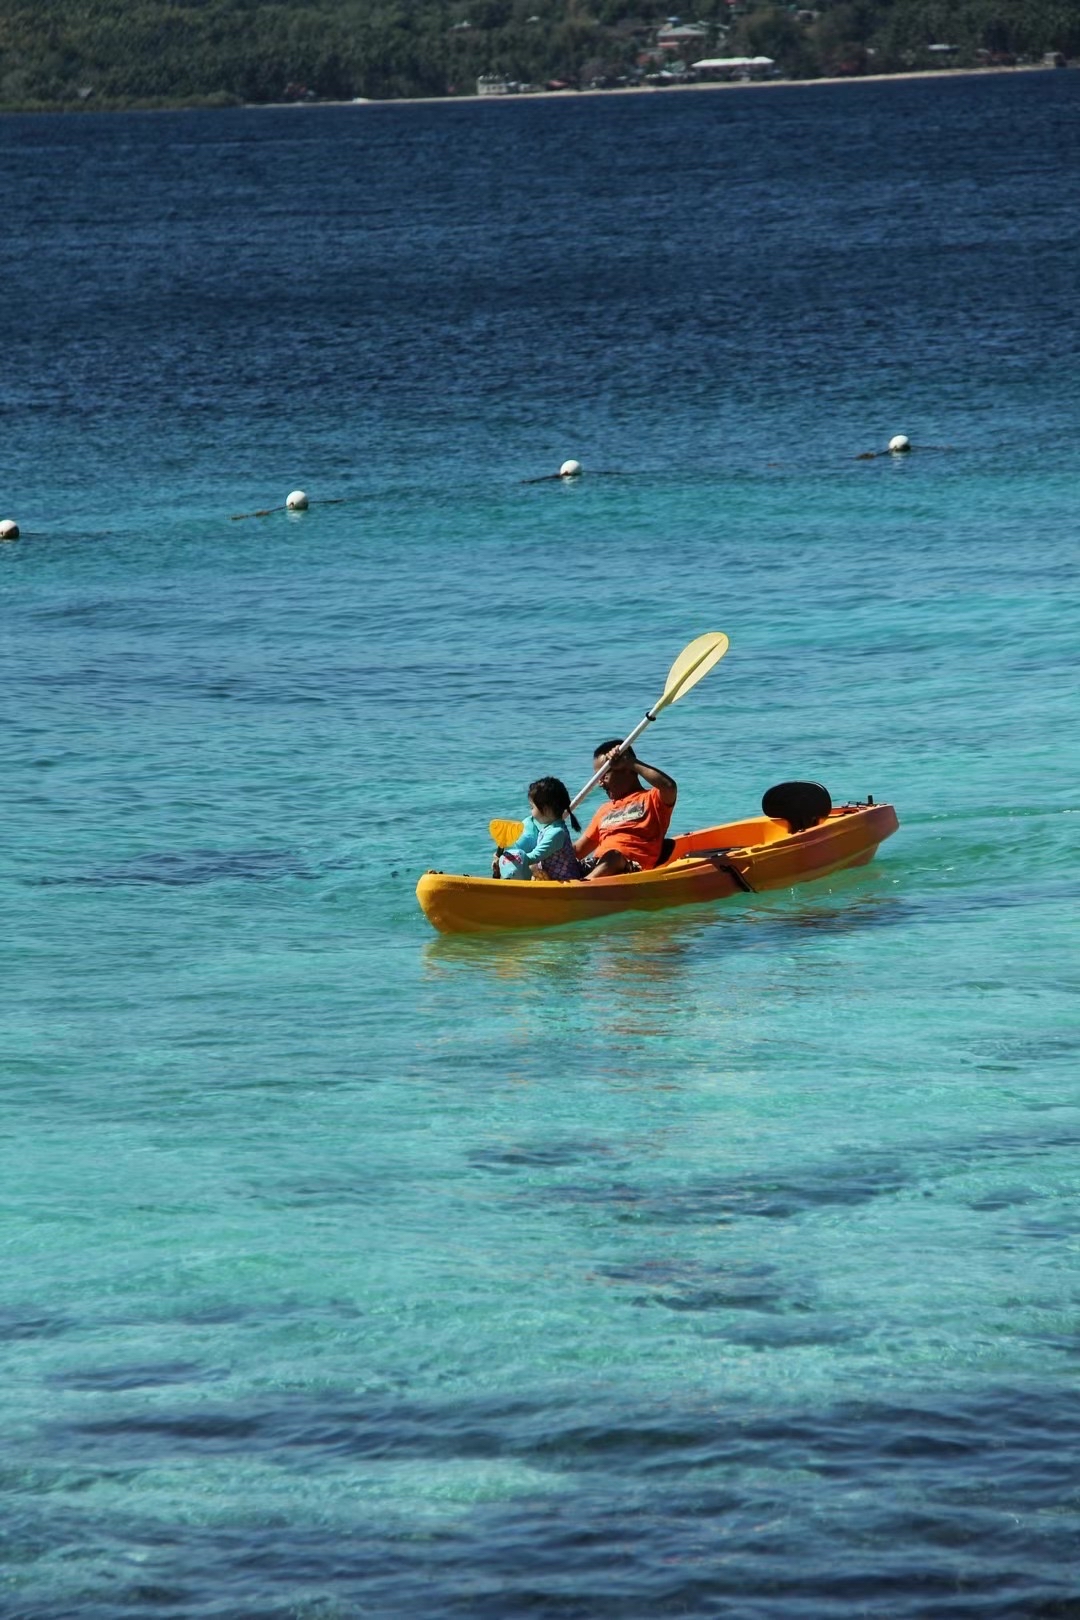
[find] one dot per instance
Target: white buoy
(297, 501)
(9, 529)
(570, 469)
(899, 444)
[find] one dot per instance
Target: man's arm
(667, 786)
(588, 840)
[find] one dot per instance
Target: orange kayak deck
(747, 856)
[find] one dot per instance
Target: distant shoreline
(664, 89)
(211, 104)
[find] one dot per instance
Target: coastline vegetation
(67, 54)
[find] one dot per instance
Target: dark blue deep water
(722, 1262)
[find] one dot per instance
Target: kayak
(737, 857)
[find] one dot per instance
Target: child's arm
(550, 838)
(521, 850)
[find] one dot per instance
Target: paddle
(692, 663)
(505, 832)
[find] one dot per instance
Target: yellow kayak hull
(752, 855)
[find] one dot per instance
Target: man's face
(621, 777)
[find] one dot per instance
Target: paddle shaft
(623, 746)
(693, 662)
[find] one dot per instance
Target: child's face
(544, 817)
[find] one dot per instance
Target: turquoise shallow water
(717, 1262)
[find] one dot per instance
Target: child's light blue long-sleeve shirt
(538, 841)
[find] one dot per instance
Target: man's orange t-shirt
(635, 826)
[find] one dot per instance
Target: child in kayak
(545, 840)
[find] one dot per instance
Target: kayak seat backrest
(800, 804)
(666, 849)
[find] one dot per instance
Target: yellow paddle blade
(506, 833)
(692, 663)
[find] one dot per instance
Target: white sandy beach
(666, 89)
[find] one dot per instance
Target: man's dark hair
(606, 748)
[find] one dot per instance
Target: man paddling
(627, 835)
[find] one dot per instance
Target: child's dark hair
(550, 794)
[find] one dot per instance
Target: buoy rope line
(901, 450)
(569, 472)
(265, 511)
(566, 478)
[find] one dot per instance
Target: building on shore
(735, 67)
